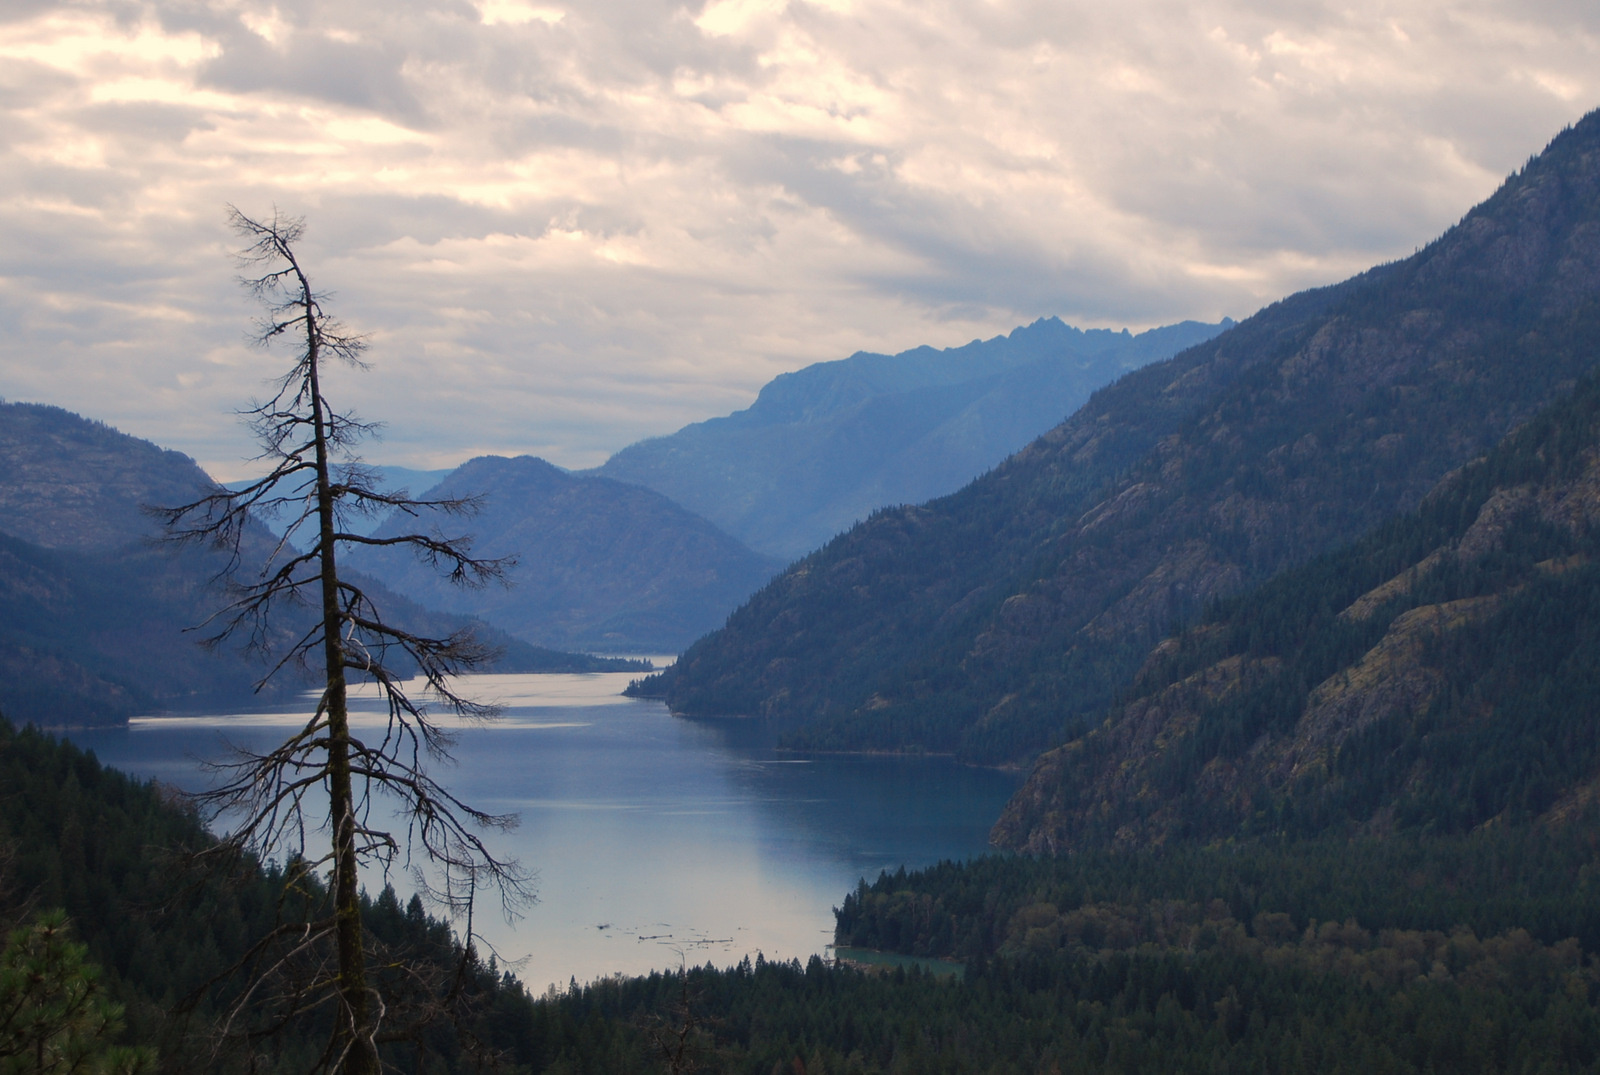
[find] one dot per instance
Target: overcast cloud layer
(568, 227)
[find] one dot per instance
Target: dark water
(654, 839)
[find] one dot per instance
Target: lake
(655, 839)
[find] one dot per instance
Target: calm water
(654, 839)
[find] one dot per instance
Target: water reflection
(654, 838)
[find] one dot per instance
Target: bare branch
(287, 602)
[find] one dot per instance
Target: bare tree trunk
(360, 1055)
(271, 797)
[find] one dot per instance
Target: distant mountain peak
(824, 446)
(602, 565)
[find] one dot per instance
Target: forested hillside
(1001, 619)
(1412, 954)
(827, 445)
(1440, 673)
(1460, 954)
(112, 853)
(601, 565)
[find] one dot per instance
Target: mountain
(409, 477)
(94, 612)
(827, 445)
(602, 565)
(997, 621)
(75, 484)
(1441, 672)
(91, 613)
(385, 478)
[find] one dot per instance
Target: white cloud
(567, 227)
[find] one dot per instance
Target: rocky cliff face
(1436, 673)
(996, 619)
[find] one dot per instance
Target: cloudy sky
(566, 227)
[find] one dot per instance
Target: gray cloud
(338, 72)
(567, 227)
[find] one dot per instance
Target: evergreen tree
(54, 1018)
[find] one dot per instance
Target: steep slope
(601, 564)
(1441, 672)
(93, 613)
(825, 446)
(999, 618)
(68, 482)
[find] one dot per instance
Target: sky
(566, 227)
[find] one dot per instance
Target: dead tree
(289, 602)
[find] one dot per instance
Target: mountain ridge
(1437, 672)
(604, 565)
(824, 446)
(997, 619)
(96, 612)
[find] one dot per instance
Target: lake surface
(654, 839)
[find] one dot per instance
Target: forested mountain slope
(93, 613)
(602, 565)
(825, 446)
(111, 851)
(1464, 954)
(996, 619)
(1440, 673)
